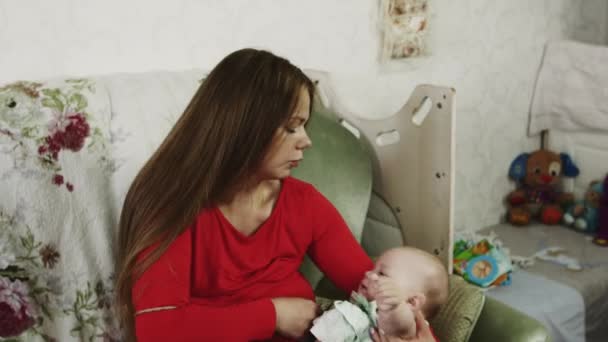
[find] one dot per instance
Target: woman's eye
(290, 130)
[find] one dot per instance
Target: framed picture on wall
(403, 26)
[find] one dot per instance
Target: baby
(404, 280)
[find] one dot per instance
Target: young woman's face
(290, 141)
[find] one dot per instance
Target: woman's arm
(334, 249)
(165, 310)
(194, 322)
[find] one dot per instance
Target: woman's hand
(423, 333)
(294, 316)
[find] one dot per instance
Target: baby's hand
(387, 293)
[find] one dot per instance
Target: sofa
(69, 148)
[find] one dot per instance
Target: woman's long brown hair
(217, 144)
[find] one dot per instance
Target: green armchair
(339, 166)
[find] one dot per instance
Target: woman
(214, 229)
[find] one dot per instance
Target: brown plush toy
(538, 175)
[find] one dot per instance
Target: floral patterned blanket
(68, 152)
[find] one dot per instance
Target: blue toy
(584, 214)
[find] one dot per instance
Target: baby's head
(421, 277)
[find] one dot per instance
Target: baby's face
(410, 274)
(399, 269)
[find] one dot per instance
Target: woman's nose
(305, 142)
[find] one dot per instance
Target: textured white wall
(488, 50)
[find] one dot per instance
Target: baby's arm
(386, 292)
(395, 316)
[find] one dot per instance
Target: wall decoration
(403, 26)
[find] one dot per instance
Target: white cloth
(55, 218)
(344, 323)
(347, 321)
(572, 89)
(58, 216)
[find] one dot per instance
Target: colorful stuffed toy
(482, 263)
(601, 239)
(538, 176)
(584, 214)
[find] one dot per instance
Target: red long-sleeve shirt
(215, 283)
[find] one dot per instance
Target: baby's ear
(417, 301)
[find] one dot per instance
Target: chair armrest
(501, 323)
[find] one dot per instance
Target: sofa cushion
(144, 108)
(457, 318)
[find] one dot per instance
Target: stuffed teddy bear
(538, 176)
(584, 214)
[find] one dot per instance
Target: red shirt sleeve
(434, 336)
(334, 249)
(165, 311)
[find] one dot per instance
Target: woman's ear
(417, 301)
